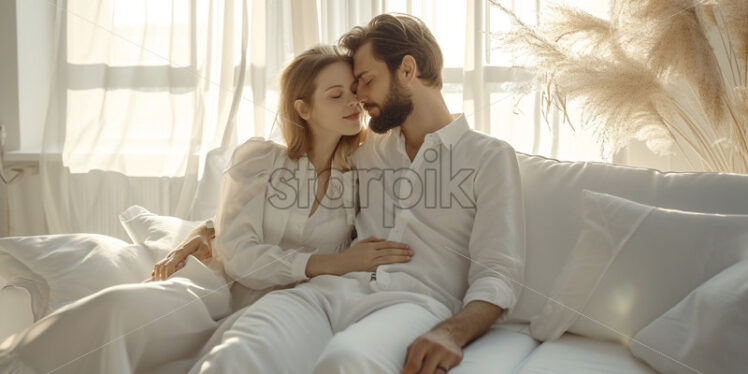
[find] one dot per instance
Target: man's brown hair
(395, 35)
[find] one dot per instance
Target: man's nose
(361, 93)
(362, 99)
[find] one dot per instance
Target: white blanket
(145, 327)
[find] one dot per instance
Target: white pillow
(160, 234)
(707, 331)
(58, 269)
(632, 262)
(552, 199)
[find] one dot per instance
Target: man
(425, 179)
(398, 64)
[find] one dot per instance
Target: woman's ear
(302, 109)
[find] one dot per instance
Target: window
(140, 93)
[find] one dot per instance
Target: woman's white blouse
(264, 235)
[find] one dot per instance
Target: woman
(274, 229)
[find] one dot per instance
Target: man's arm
(442, 346)
(496, 247)
(471, 322)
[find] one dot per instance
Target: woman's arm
(243, 248)
(197, 243)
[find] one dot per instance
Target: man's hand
(197, 243)
(434, 352)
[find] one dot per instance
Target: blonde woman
(285, 215)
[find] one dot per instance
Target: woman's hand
(197, 243)
(367, 254)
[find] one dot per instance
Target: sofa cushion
(706, 332)
(572, 354)
(159, 234)
(58, 269)
(632, 263)
(552, 192)
(499, 351)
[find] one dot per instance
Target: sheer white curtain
(479, 78)
(151, 96)
(145, 101)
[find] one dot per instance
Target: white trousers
(153, 327)
(327, 325)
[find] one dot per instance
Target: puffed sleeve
(497, 241)
(240, 243)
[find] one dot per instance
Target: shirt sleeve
(497, 240)
(240, 242)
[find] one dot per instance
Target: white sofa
(552, 193)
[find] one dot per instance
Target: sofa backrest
(553, 194)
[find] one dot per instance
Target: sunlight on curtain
(490, 105)
(135, 68)
(142, 110)
(478, 77)
(152, 96)
(139, 76)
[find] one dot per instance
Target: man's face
(386, 100)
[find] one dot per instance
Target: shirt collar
(449, 134)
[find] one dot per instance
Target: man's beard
(397, 107)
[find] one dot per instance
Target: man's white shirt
(459, 207)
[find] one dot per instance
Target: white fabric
(552, 198)
(572, 354)
(499, 351)
(142, 88)
(154, 327)
(59, 269)
(15, 310)
(705, 332)
(160, 234)
(458, 205)
(198, 295)
(141, 92)
(330, 324)
(632, 263)
(263, 235)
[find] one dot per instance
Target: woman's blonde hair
(297, 82)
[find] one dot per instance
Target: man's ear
(408, 68)
(302, 109)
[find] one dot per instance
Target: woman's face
(335, 108)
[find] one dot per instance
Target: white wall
(25, 75)
(9, 73)
(26, 211)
